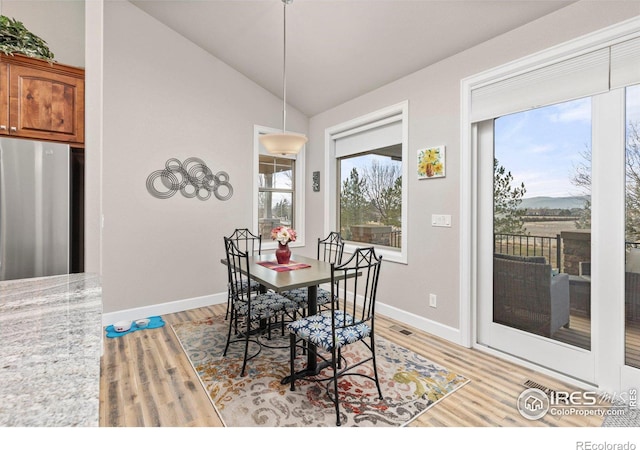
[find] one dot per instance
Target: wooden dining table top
(318, 273)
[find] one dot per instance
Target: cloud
(538, 149)
(538, 186)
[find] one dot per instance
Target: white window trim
(298, 188)
(331, 181)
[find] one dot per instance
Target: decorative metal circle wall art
(192, 178)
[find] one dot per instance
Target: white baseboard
(163, 308)
(429, 326)
(535, 367)
(421, 323)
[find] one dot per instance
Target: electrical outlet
(432, 300)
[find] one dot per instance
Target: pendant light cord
(284, 70)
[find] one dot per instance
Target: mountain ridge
(569, 202)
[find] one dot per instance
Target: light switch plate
(441, 220)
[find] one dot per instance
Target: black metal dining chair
(250, 243)
(253, 310)
(330, 250)
(350, 320)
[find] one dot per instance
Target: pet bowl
(142, 323)
(122, 326)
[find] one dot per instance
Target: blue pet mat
(154, 322)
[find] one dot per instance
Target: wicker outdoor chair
(526, 296)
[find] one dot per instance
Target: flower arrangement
(283, 234)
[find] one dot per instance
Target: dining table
(301, 272)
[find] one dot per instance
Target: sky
(542, 147)
(361, 162)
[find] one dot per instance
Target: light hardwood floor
(579, 334)
(147, 380)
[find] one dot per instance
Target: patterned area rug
(410, 383)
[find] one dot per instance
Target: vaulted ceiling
(339, 49)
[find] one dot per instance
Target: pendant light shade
(284, 143)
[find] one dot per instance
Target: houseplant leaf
(15, 38)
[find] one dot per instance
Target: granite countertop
(50, 348)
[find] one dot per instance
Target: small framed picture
(431, 162)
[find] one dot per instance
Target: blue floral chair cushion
(255, 286)
(317, 329)
(300, 296)
(265, 305)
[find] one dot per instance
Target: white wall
(434, 118)
(166, 98)
(60, 23)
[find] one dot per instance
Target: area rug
(410, 383)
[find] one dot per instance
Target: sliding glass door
(554, 201)
(552, 195)
(536, 236)
(542, 222)
(632, 229)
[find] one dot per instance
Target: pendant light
(284, 143)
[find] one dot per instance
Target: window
(278, 191)
(370, 201)
(276, 179)
(366, 174)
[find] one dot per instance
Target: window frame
(373, 120)
(298, 187)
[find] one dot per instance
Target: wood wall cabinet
(41, 100)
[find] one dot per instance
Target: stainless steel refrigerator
(34, 209)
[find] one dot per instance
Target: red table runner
(283, 267)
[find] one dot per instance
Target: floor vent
(542, 387)
(399, 329)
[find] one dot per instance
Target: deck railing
(527, 245)
(395, 239)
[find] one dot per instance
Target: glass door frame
(557, 356)
(609, 373)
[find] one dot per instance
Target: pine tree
(353, 203)
(508, 218)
